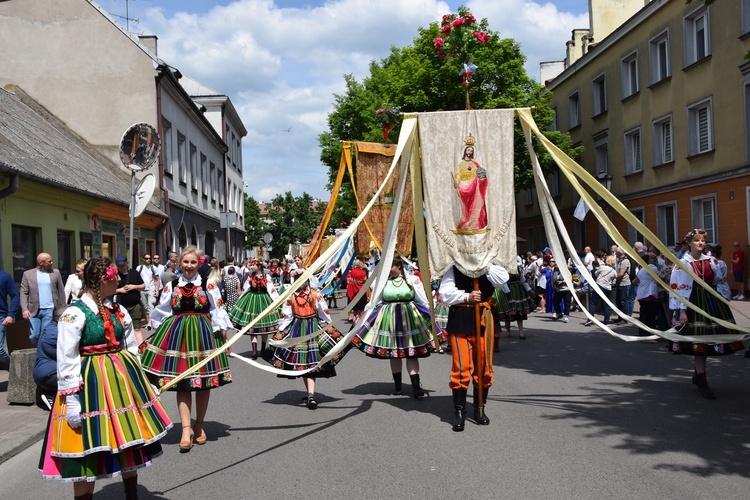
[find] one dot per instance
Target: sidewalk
(22, 426)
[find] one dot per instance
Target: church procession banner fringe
(463, 216)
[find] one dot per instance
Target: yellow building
(661, 105)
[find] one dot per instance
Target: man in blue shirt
(8, 310)
(42, 295)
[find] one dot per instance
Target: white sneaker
(47, 401)
(736, 297)
(565, 319)
(740, 297)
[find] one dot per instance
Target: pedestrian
(129, 288)
(355, 279)
(45, 365)
(231, 289)
(151, 286)
(74, 285)
(106, 420)
(42, 295)
(549, 291)
(398, 327)
(604, 275)
(304, 313)
(515, 301)
(738, 270)
(258, 293)
(190, 325)
(623, 284)
(697, 323)
(648, 296)
(441, 314)
(471, 342)
(562, 297)
(9, 300)
(168, 275)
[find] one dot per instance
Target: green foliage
(419, 80)
(292, 219)
(254, 225)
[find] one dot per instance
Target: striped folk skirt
(122, 421)
(308, 353)
(181, 342)
(248, 307)
(700, 325)
(396, 330)
(514, 305)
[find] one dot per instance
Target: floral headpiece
(387, 118)
(691, 234)
(111, 273)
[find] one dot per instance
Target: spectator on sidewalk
(42, 295)
(8, 310)
(169, 274)
(45, 365)
(128, 293)
(738, 269)
(150, 287)
(74, 284)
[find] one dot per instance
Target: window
(181, 158)
(666, 223)
(633, 163)
(601, 156)
(204, 175)
(220, 183)
(630, 75)
(166, 135)
(553, 126)
(633, 234)
(662, 132)
(700, 127)
(697, 36)
(530, 243)
(745, 17)
(528, 197)
(574, 110)
(599, 95)
(193, 168)
(108, 246)
(554, 183)
(212, 181)
(704, 215)
(26, 243)
(659, 52)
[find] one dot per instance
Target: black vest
(461, 316)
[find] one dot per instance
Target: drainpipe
(11, 189)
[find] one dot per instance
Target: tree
(292, 219)
(418, 79)
(254, 225)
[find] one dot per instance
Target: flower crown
(691, 234)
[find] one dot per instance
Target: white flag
(581, 210)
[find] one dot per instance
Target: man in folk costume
(470, 238)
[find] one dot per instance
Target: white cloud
(281, 66)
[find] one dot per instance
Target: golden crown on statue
(469, 141)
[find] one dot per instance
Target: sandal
(185, 446)
(521, 336)
(201, 438)
(311, 403)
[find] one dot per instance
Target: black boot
(88, 496)
(699, 379)
(131, 487)
(459, 403)
(254, 355)
(416, 387)
(479, 416)
(397, 384)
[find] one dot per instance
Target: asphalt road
(575, 414)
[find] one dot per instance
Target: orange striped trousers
(463, 370)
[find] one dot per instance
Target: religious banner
(467, 172)
(373, 161)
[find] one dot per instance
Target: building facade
(662, 107)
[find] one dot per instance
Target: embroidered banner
(467, 173)
(373, 161)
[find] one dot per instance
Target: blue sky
(282, 61)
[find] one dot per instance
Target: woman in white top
(604, 275)
(74, 284)
(648, 296)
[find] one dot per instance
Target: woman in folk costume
(515, 300)
(258, 293)
(190, 325)
(106, 420)
(399, 327)
(305, 312)
(441, 314)
(695, 323)
(355, 279)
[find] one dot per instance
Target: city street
(575, 413)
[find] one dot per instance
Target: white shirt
(450, 294)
